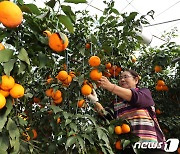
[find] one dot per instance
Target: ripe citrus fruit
(118, 130)
(159, 88)
(58, 120)
(7, 82)
(17, 91)
(88, 46)
(157, 68)
(2, 46)
(160, 83)
(68, 80)
(62, 75)
(10, 14)
(118, 145)
(47, 33)
(2, 101)
(133, 58)
(125, 128)
(58, 42)
(58, 101)
(108, 65)
(81, 103)
(95, 74)
(72, 74)
(86, 90)
(34, 133)
(158, 112)
(165, 88)
(56, 94)
(5, 93)
(49, 92)
(94, 61)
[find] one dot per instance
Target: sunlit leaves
(6, 55)
(67, 22)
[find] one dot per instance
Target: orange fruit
(34, 133)
(62, 75)
(56, 95)
(165, 88)
(10, 14)
(49, 80)
(108, 65)
(80, 103)
(5, 93)
(49, 92)
(68, 80)
(157, 68)
(36, 100)
(94, 61)
(88, 46)
(2, 101)
(2, 46)
(160, 83)
(95, 74)
(118, 130)
(58, 120)
(86, 90)
(158, 111)
(17, 91)
(125, 128)
(58, 101)
(159, 88)
(58, 42)
(118, 145)
(118, 69)
(7, 82)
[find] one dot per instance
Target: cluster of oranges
(86, 88)
(94, 61)
(55, 95)
(66, 78)
(112, 70)
(161, 86)
(9, 87)
(124, 128)
(11, 15)
(57, 41)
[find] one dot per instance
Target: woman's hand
(105, 83)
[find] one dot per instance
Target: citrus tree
(57, 58)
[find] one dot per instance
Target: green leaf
(89, 138)
(73, 126)
(81, 142)
(93, 39)
(30, 8)
(51, 3)
(70, 141)
(13, 130)
(22, 67)
(4, 142)
(67, 10)
(75, 1)
(8, 66)
(3, 151)
(23, 55)
(3, 117)
(66, 21)
(68, 121)
(56, 109)
(126, 143)
(6, 55)
(42, 59)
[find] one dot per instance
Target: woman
(136, 105)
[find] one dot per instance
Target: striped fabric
(141, 122)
